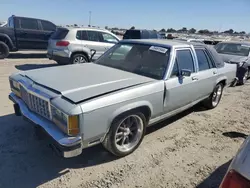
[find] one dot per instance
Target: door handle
(194, 78)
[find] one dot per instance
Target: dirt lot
(190, 150)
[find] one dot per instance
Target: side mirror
(93, 52)
(185, 72)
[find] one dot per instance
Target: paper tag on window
(158, 49)
(247, 46)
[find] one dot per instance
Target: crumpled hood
(233, 58)
(84, 81)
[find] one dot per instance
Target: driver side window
(183, 60)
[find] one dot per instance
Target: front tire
(4, 50)
(126, 134)
(214, 99)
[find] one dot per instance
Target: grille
(35, 104)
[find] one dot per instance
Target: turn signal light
(234, 180)
(62, 43)
(73, 125)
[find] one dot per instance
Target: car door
(48, 29)
(181, 90)
(29, 35)
(207, 73)
(92, 40)
(107, 40)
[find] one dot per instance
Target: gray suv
(74, 45)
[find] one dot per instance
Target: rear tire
(79, 59)
(214, 99)
(244, 77)
(4, 50)
(123, 139)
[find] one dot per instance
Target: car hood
(233, 58)
(82, 82)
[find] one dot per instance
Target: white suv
(74, 45)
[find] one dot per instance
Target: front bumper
(67, 146)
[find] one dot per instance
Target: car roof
(162, 42)
(13, 16)
(86, 28)
(236, 42)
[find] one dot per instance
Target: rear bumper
(59, 59)
(62, 56)
(62, 143)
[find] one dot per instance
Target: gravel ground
(192, 149)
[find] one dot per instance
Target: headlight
(15, 87)
(69, 124)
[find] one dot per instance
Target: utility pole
(90, 18)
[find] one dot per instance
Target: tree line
(202, 31)
(190, 31)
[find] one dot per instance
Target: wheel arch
(6, 39)
(85, 53)
(145, 107)
(222, 80)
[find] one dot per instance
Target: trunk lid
(233, 58)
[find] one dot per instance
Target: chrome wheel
(79, 59)
(129, 133)
(217, 95)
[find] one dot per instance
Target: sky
(217, 15)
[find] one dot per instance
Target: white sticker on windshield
(158, 49)
(247, 46)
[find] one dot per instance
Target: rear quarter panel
(227, 72)
(99, 113)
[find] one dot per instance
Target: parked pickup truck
(135, 84)
(24, 33)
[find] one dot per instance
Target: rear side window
(59, 34)
(203, 60)
(26, 23)
(93, 36)
(132, 34)
(82, 35)
(47, 26)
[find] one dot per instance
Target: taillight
(62, 43)
(234, 180)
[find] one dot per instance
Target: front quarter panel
(99, 113)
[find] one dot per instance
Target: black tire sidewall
(78, 55)
(114, 127)
(242, 72)
(211, 98)
(6, 50)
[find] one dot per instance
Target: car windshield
(233, 49)
(145, 60)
